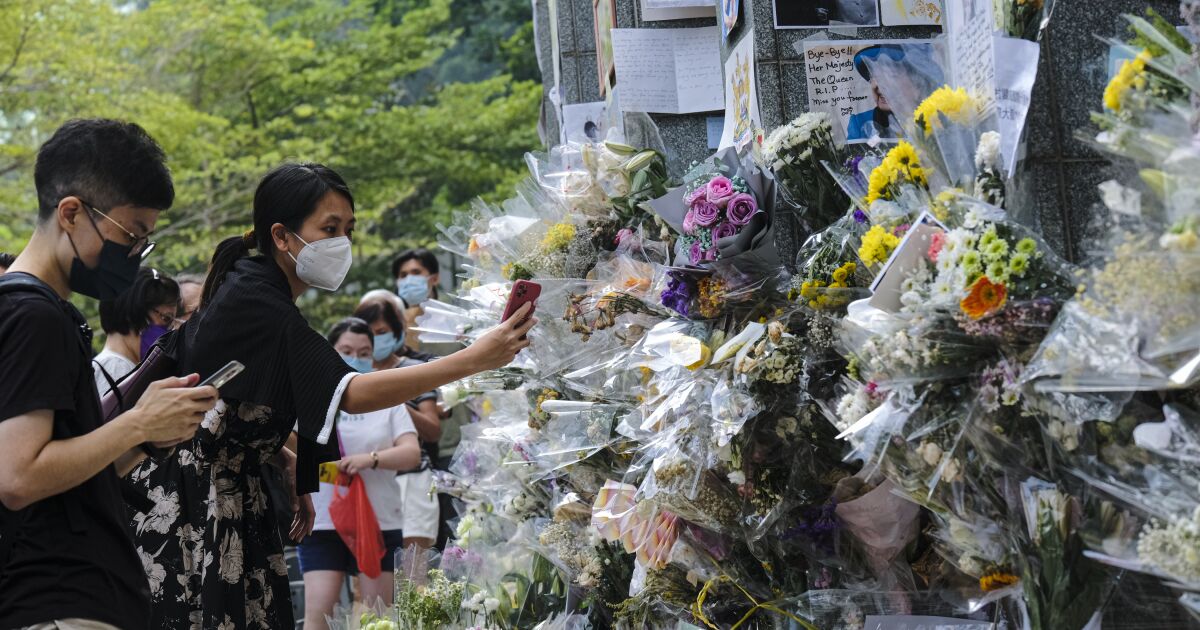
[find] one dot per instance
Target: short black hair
(375, 310)
(7, 259)
(129, 312)
(350, 325)
(107, 163)
(427, 259)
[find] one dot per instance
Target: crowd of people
(163, 513)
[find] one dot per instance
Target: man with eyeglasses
(66, 557)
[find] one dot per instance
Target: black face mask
(112, 276)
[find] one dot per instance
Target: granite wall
(1061, 171)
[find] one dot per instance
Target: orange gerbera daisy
(984, 298)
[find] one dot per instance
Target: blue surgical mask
(413, 289)
(387, 344)
(359, 365)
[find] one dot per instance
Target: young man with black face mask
(67, 560)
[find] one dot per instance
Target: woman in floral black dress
(210, 545)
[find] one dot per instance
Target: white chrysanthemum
(987, 155)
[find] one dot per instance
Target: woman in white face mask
(209, 494)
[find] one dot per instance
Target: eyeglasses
(169, 318)
(140, 246)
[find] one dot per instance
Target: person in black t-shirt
(67, 558)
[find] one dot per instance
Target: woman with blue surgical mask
(384, 312)
(375, 446)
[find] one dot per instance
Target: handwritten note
(1016, 70)
(999, 71)
(669, 71)
(970, 24)
(834, 85)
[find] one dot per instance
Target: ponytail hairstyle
(288, 194)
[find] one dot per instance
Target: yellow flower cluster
(898, 167)
(712, 294)
(558, 237)
(818, 298)
(877, 245)
(1132, 75)
(955, 105)
(943, 202)
(997, 580)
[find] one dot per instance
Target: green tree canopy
(230, 88)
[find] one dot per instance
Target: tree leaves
(231, 88)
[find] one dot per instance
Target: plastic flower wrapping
(929, 420)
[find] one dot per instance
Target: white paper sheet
(659, 10)
(1016, 71)
(999, 71)
(669, 71)
(911, 12)
(970, 25)
(742, 119)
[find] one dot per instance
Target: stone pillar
(1062, 171)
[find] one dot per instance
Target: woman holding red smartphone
(210, 545)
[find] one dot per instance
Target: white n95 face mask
(324, 264)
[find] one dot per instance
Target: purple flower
(694, 196)
(711, 253)
(720, 190)
(705, 212)
(724, 229)
(860, 216)
(689, 222)
(696, 253)
(677, 296)
(741, 207)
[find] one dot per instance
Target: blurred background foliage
(422, 105)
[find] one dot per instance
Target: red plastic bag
(354, 519)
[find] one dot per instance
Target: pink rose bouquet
(718, 207)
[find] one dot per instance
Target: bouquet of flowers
(718, 208)
(801, 154)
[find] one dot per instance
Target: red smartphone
(523, 292)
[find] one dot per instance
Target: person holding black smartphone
(66, 557)
(212, 529)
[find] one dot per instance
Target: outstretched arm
(389, 388)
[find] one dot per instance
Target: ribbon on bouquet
(698, 606)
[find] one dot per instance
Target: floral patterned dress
(215, 560)
(210, 545)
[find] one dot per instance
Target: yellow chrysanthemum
(558, 237)
(1132, 75)
(955, 105)
(877, 245)
(901, 165)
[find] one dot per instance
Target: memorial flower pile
(928, 414)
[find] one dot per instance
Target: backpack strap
(17, 281)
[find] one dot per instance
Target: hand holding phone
(223, 375)
(523, 292)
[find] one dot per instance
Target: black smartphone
(223, 375)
